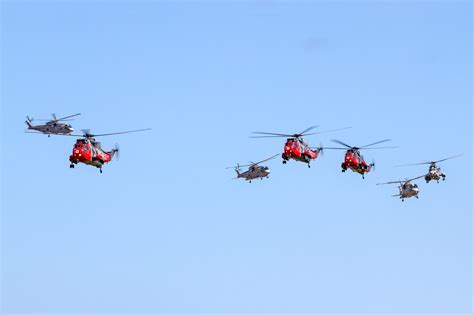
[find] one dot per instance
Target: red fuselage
(90, 153)
(354, 161)
(298, 150)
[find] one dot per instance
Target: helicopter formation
(407, 189)
(295, 148)
(86, 150)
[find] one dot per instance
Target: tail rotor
(237, 169)
(116, 151)
(372, 165)
(29, 121)
(319, 150)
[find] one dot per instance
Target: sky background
(165, 229)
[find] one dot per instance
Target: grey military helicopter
(255, 170)
(406, 188)
(55, 126)
(434, 172)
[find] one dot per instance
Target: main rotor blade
(271, 134)
(377, 148)
(410, 180)
(285, 136)
(449, 158)
(326, 131)
(87, 134)
(119, 133)
(394, 182)
(432, 162)
(66, 117)
(229, 167)
(368, 145)
(307, 129)
(253, 164)
(422, 163)
(272, 157)
(239, 166)
(341, 143)
(332, 148)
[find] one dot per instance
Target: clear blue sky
(165, 229)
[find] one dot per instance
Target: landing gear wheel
(284, 161)
(71, 165)
(309, 166)
(100, 170)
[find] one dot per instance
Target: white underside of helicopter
(435, 175)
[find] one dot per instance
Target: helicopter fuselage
(53, 128)
(254, 173)
(434, 173)
(89, 152)
(353, 160)
(298, 150)
(408, 190)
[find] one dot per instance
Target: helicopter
(295, 147)
(406, 188)
(254, 171)
(434, 172)
(89, 151)
(354, 160)
(54, 126)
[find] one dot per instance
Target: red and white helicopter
(354, 160)
(89, 151)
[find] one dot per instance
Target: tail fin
(115, 151)
(237, 170)
(28, 122)
(372, 165)
(320, 149)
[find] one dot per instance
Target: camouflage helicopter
(406, 188)
(55, 126)
(434, 172)
(254, 171)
